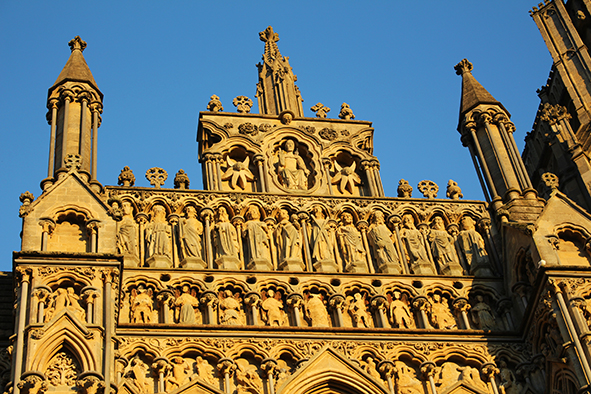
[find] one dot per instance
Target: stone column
(362, 226)
(47, 227)
(210, 300)
(97, 109)
(238, 222)
(173, 221)
(507, 129)
(490, 370)
(217, 160)
(332, 226)
(461, 306)
(271, 222)
(486, 226)
(89, 295)
(576, 306)
(327, 163)
(120, 365)
(421, 304)
(226, 367)
(24, 279)
(428, 369)
(497, 201)
(386, 369)
(378, 179)
(142, 219)
(504, 310)
(52, 105)
(304, 217)
(41, 293)
(83, 97)
(295, 301)
(522, 290)
(109, 275)
(92, 227)
(337, 302)
(66, 96)
(269, 368)
(366, 166)
(253, 301)
(260, 161)
(165, 298)
(209, 180)
(206, 216)
(378, 304)
(161, 366)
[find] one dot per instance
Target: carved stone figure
(370, 368)
(256, 238)
(453, 191)
(509, 384)
(380, 241)
(231, 313)
(273, 307)
(205, 371)
(440, 315)
(472, 247)
(346, 178)
(316, 311)
(141, 305)
(404, 189)
(225, 241)
(346, 112)
(289, 245)
(127, 231)
(406, 379)
(137, 372)
(186, 304)
(443, 250)
(447, 375)
(238, 173)
(190, 232)
(415, 248)
(322, 249)
(65, 299)
(400, 313)
(291, 168)
(351, 245)
(471, 376)
(357, 308)
(214, 105)
(179, 373)
(158, 239)
(482, 315)
(247, 378)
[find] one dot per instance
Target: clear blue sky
(158, 63)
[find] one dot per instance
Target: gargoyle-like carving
(238, 173)
(346, 112)
(26, 199)
(453, 190)
(243, 104)
(346, 178)
(126, 177)
(428, 188)
(215, 105)
(554, 113)
(404, 189)
(181, 180)
(156, 176)
(320, 110)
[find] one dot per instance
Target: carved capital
(41, 293)
(378, 302)
(394, 220)
(96, 107)
(92, 226)
(504, 305)
(362, 225)
(173, 219)
(161, 365)
(47, 225)
(89, 294)
(578, 302)
(206, 213)
(109, 275)
(66, 94)
(490, 370)
(90, 383)
(141, 218)
(420, 303)
(52, 103)
(165, 296)
(294, 300)
(238, 221)
(252, 299)
(461, 304)
(336, 301)
(259, 159)
(303, 216)
(23, 274)
(428, 369)
(33, 382)
(269, 367)
(226, 366)
(386, 369)
(484, 118)
(209, 298)
(554, 113)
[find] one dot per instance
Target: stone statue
(255, 233)
(471, 376)
(178, 375)
(289, 245)
(415, 248)
(509, 384)
(291, 168)
(231, 313)
(370, 368)
(316, 311)
(357, 308)
(205, 371)
(472, 247)
(185, 303)
(406, 379)
(351, 245)
(447, 375)
(138, 371)
(190, 232)
(443, 250)
(400, 313)
(247, 378)
(127, 233)
(158, 239)
(65, 299)
(322, 250)
(225, 241)
(440, 315)
(380, 241)
(141, 305)
(482, 315)
(273, 308)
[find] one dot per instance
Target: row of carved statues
(302, 242)
(315, 308)
(246, 374)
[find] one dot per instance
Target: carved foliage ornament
(428, 188)
(320, 110)
(156, 176)
(215, 105)
(248, 129)
(73, 162)
(346, 112)
(550, 180)
(126, 177)
(243, 104)
(181, 180)
(554, 113)
(62, 371)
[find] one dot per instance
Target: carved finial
(320, 110)
(243, 104)
(346, 112)
(77, 43)
(453, 190)
(404, 189)
(156, 176)
(428, 188)
(26, 198)
(550, 180)
(268, 35)
(463, 67)
(215, 105)
(73, 162)
(181, 180)
(126, 177)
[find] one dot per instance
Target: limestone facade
(291, 272)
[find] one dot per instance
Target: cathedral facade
(291, 272)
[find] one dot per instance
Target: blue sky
(157, 63)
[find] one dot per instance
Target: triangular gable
(463, 388)
(197, 386)
(561, 209)
(327, 371)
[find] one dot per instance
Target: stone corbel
(490, 370)
(378, 303)
(336, 302)
(253, 301)
(428, 369)
(295, 301)
(90, 383)
(387, 369)
(259, 160)
(226, 367)
(120, 365)
(32, 382)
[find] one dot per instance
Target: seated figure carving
(291, 168)
(65, 299)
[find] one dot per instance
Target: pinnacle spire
(76, 68)
(473, 93)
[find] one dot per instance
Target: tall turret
(75, 105)
(276, 89)
(488, 133)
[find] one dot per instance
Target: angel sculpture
(346, 178)
(273, 307)
(185, 303)
(247, 378)
(141, 304)
(238, 173)
(230, 305)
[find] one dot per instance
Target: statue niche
(256, 239)
(292, 166)
(70, 234)
(345, 180)
(158, 234)
(190, 232)
(238, 174)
